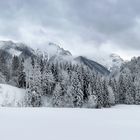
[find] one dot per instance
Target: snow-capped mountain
(92, 65)
(56, 53)
(52, 51)
(111, 62)
(16, 49)
(53, 48)
(115, 62)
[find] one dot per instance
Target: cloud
(83, 27)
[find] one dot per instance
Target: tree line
(71, 85)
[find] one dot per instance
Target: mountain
(112, 62)
(92, 65)
(115, 62)
(56, 53)
(133, 67)
(16, 49)
(53, 48)
(52, 52)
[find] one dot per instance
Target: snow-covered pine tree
(48, 81)
(76, 90)
(121, 89)
(64, 80)
(57, 96)
(105, 94)
(130, 94)
(55, 70)
(99, 91)
(15, 65)
(3, 65)
(21, 75)
(130, 89)
(92, 98)
(2, 78)
(28, 69)
(137, 96)
(68, 97)
(87, 79)
(114, 90)
(111, 95)
(36, 86)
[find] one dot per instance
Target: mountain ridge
(54, 53)
(93, 65)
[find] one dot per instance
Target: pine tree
(76, 91)
(57, 96)
(68, 97)
(130, 90)
(15, 65)
(137, 95)
(21, 76)
(36, 86)
(32, 99)
(105, 94)
(64, 80)
(121, 89)
(114, 90)
(92, 98)
(48, 81)
(2, 78)
(99, 91)
(4, 65)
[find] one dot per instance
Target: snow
(14, 52)
(118, 123)
(11, 96)
(121, 122)
(10, 47)
(111, 61)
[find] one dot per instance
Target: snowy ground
(11, 96)
(118, 123)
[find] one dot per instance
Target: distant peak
(53, 44)
(116, 57)
(54, 48)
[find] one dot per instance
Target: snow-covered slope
(92, 65)
(111, 62)
(54, 53)
(55, 49)
(115, 62)
(16, 49)
(119, 123)
(11, 96)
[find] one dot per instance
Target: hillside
(92, 65)
(11, 96)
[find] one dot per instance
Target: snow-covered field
(118, 123)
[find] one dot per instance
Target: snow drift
(11, 96)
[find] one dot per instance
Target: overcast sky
(89, 27)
